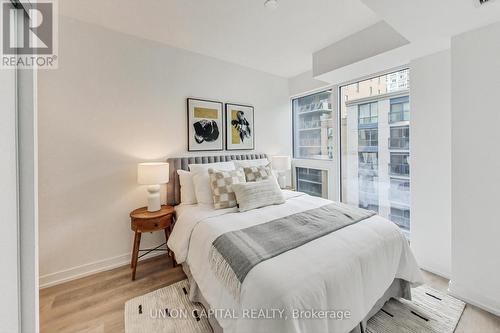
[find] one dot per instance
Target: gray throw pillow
(253, 195)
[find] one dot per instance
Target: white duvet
(347, 270)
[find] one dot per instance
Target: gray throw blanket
(233, 254)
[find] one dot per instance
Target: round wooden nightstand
(143, 221)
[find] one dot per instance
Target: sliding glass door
(375, 145)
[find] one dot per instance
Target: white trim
(35, 198)
(473, 297)
(84, 270)
(326, 87)
(18, 219)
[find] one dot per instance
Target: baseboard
(77, 272)
(472, 297)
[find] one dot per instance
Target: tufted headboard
(176, 163)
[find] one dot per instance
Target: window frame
(404, 100)
(370, 105)
(402, 143)
(371, 138)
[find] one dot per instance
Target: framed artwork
(205, 125)
(239, 127)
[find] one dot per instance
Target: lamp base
(282, 179)
(154, 203)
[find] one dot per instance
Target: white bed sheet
(349, 269)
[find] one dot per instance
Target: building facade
(376, 146)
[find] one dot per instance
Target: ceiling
(426, 20)
(279, 41)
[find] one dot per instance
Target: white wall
(9, 277)
(114, 101)
(475, 167)
(430, 139)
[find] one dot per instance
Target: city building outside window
(375, 146)
(313, 122)
(399, 165)
(368, 113)
(368, 137)
(400, 109)
(399, 138)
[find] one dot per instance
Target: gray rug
(430, 311)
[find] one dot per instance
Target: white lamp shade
(152, 173)
(281, 163)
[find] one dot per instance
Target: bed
(345, 276)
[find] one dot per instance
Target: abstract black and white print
(204, 125)
(239, 127)
(242, 126)
(206, 130)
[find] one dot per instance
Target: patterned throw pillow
(220, 182)
(257, 173)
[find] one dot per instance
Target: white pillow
(253, 195)
(188, 196)
(201, 180)
(250, 163)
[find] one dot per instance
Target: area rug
(429, 311)
(170, 310)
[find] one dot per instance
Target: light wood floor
(95, 304)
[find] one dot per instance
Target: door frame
(24, 166)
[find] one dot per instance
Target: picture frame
(240, 127)
(205, 120)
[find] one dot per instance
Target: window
(368, 138)
(401, 217)
(313, 126)
(400, 191)
(368, 159)
(369, 206)
(312, 181)
(368, 113)
(371, 158)
(399, 138)
(375, 146)
(399, 165)
(400, 110)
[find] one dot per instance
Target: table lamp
(281, 164)
(153, 174)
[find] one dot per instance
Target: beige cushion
(201, 180)
(221, 183)
(253, 195)
(257, 173)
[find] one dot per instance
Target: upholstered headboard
(176, 163)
